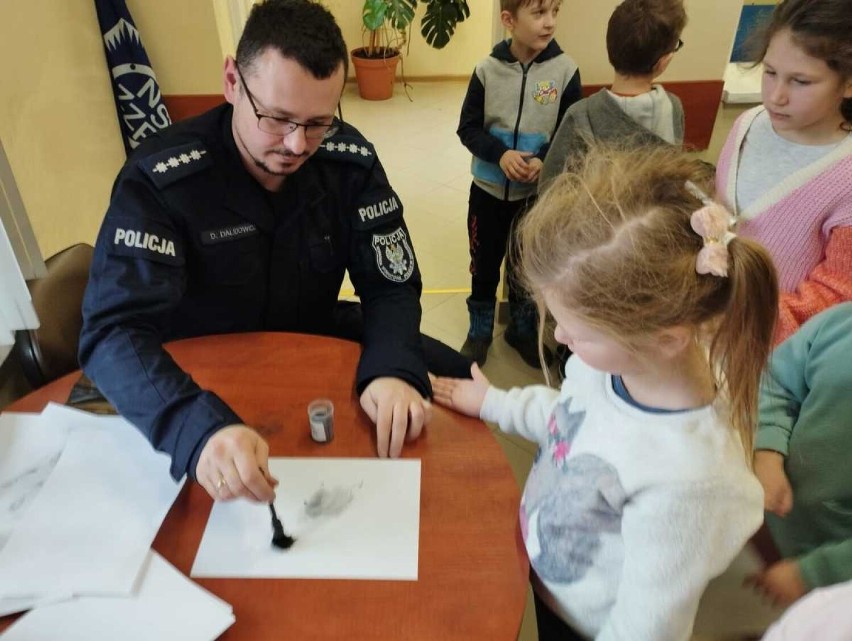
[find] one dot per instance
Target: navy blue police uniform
(192, 245)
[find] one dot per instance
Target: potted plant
(386, 26)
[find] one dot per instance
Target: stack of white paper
(165, 606)
(81, 499)
(29, 449)
(89, 528)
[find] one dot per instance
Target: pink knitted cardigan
(797, 221)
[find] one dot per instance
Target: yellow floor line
(457, 290)
(345, 293)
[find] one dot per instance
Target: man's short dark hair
(640, 32)
(301, 30)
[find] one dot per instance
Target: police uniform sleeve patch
(378, 209)
(143, 239)
(170, 165)
(394, 257)
(348, 148)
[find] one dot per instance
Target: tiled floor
(430, 169)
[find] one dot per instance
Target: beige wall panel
(182, 41)
(57, 117)
(709, 36)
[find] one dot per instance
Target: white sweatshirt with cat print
(626, 514)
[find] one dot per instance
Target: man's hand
(464, 395)
(398, 411)
(769, 469)
(514, 165)
(781, 582)
(235, 464)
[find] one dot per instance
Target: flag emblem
(140, 107)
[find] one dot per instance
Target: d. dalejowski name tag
(232, 232)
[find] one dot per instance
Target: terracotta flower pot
(375, 76)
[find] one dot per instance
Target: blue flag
(138, 101)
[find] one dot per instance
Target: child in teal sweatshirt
(803, 446)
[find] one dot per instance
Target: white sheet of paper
(165, 606)
(90, 527)
(29, 449)
(374, 536)
(11, 606)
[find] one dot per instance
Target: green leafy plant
(387, 24)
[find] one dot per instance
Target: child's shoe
(527, 347)
(479, 335)
(522, 334)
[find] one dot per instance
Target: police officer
(244, 219)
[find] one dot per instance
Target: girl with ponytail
(642, 489)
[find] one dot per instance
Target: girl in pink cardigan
(786, 167)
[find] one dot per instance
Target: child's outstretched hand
(462, 394)
(514, 165)
(769, 469)
(781, 582)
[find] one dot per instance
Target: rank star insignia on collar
(169, 165)
(348, 149)
(351, 148)
(176, 161)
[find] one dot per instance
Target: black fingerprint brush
(280, 538)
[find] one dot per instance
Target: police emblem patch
(394, 257)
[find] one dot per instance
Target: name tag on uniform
(232, 232)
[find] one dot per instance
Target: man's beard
(261, 164)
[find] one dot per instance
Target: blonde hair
(611, 240)
(512, 6)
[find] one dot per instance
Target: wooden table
(473, 567)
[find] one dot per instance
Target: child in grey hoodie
(641, 40)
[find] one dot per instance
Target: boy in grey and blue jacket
(514, 103)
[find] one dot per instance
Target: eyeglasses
(678, 46)
(277, 126)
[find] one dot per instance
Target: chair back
(50, 351)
